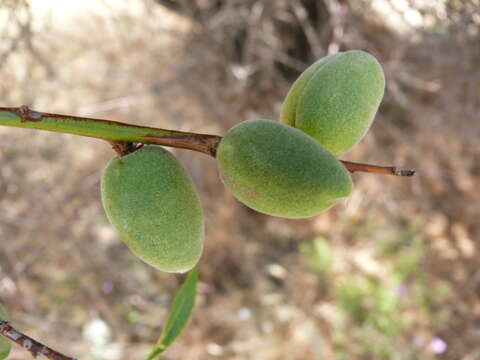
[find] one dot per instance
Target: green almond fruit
(5, 345)
(335, 100)
(279, 170)
(151, 201)
(288, 113)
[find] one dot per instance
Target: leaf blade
(180, 312)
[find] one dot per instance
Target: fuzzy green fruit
(5, 345)
(289, 108)
(151, 201)
(279, 170)
(335, 100)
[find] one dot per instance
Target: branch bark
(33, 346)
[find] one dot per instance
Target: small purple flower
(438, 346)
(107, 287)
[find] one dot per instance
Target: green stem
(111, 131)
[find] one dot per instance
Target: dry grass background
(391, 273)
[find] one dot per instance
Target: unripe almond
(151, 201)
(335, 100)
(279, 170)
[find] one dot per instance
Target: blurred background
(391, 273)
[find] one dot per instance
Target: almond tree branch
(33, 346)
(123, 135)
(112, 131)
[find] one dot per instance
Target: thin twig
(111, 131)
(387, 170)
(126, 138)
(33, 346)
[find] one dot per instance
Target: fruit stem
(388, 170)
(126, 138)
(111, 131)
(33, 346)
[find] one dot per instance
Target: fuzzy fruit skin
(151, 201)
(335, 100)
(5, 345)
(279, 170)
(288, 113)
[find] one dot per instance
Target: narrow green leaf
(181, 310)
(4, 343)
(179, 314)
(156, 351)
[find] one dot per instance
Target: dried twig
(387, 170)
(33, 346)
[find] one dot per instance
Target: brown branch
(33, 346)
(387, 170)
(203, 143)
(126, 138)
